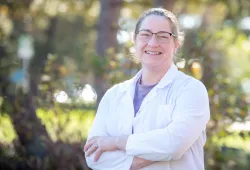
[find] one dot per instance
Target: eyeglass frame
(171, 34)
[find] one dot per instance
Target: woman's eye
(164, 37)
(145, 35)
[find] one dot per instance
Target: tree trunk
(39, 61)
(167, 4)
(107, 30)
(31, 133)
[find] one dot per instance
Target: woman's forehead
(156, 23)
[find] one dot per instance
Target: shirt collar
(166, 79)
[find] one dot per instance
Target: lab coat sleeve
(117, 160)
(190, 116)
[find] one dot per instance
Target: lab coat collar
(166, 79)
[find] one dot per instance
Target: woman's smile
(153, 52)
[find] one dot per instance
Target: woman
(157, 119)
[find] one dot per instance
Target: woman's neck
(152, 76)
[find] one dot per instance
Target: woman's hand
(99, 144)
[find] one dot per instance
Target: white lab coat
(168, 128)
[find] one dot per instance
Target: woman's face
(155, 53)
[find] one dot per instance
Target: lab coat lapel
(127, 114)
(126, 106)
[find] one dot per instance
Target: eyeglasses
(162, 36)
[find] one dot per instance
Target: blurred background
(58, 57)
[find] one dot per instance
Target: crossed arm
(111, 150)
(140, 150)
(99, 144)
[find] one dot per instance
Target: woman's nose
(153, 42)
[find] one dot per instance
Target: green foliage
(71, 126)
(7, 132)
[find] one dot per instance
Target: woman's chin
(151, 65)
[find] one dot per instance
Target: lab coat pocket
(164, 115)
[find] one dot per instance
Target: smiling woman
(155, 44)
(157, 119)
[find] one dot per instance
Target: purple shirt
(140, 93)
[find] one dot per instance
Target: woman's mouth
(153, 52)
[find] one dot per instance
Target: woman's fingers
(88, 145)
(93, 146)
(92, 149)
(90, 142)
(97, 154)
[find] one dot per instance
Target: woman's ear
(177, 45)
